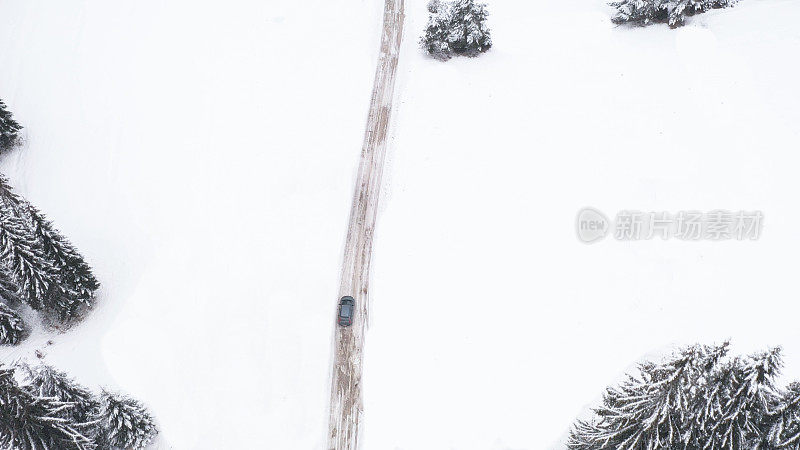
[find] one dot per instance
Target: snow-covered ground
(492, 326)
(201, 155)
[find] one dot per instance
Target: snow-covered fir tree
(32, 422)
(23, 259)
(673, 12)
(77, 284)
(47, 381)
(434, 41)
(12, 330)
(123, 423)
(456, 28)
(469, 34)
(650, 409)
(9, 129)
(695, 399)
(50, 274)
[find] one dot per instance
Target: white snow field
(201, 156)
(492, 326)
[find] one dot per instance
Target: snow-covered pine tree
(77, 284)
(640, 12)
(651, 410)
(66, 286)
(696, 400)
(23, 259)
(456, 28)
(123, 423)
(9, 129)
(434, 40)
(12, 330)
(47, 381)
(469, 34)
(673, 12)
(32, 422)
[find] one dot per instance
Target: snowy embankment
(201, 156)
(492, 326)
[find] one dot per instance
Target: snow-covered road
(346, 403)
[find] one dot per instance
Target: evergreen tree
(652, 410)
(12, 330)
(123, 423)
(32, 422)
(469, 35)
(51, 275)
(696, 400)
(46, 381)
(23, 259)
(9, 129)
(434, 41)
(77, 284)
(457, 28)
(673, 12)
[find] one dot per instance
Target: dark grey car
(347, 306)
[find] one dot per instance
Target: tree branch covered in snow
(9, 292)
(696, 399)
(12, 330)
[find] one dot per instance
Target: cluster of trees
(456, 28)
(44, 409)
(39, 267)
(459, 27)
(673, 12)
(48, 410)
(9, 129)
(699, 398)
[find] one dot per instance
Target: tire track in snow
(346, 404)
